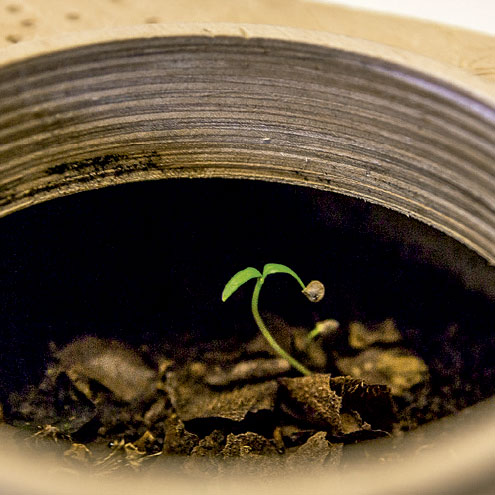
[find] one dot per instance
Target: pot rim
(462, 464)
(451, 85)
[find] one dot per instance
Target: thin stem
(268, 336)
(313, 334)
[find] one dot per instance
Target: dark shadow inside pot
(146, 263)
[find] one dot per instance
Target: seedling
(314, 291)
(324, 327)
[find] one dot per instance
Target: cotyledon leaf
(239, 279)
(270, 268)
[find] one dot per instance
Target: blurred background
(477, 14)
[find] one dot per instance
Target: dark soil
(149, 367)
(107, 407)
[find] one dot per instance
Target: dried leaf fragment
(362, 337)
(115, 366)
(310, 400)
(315, 453)
(200, 402)
(253, 369)
(399, 369)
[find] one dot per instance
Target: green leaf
(270, 268)
(239, 279)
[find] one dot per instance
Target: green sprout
(324, 327)
(314, 291)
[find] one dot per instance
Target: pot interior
(146, 263)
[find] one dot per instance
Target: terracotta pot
(275, 104)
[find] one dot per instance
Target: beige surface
(22, 20)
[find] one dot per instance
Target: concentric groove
(205, 106)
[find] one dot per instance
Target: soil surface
(104, 406)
